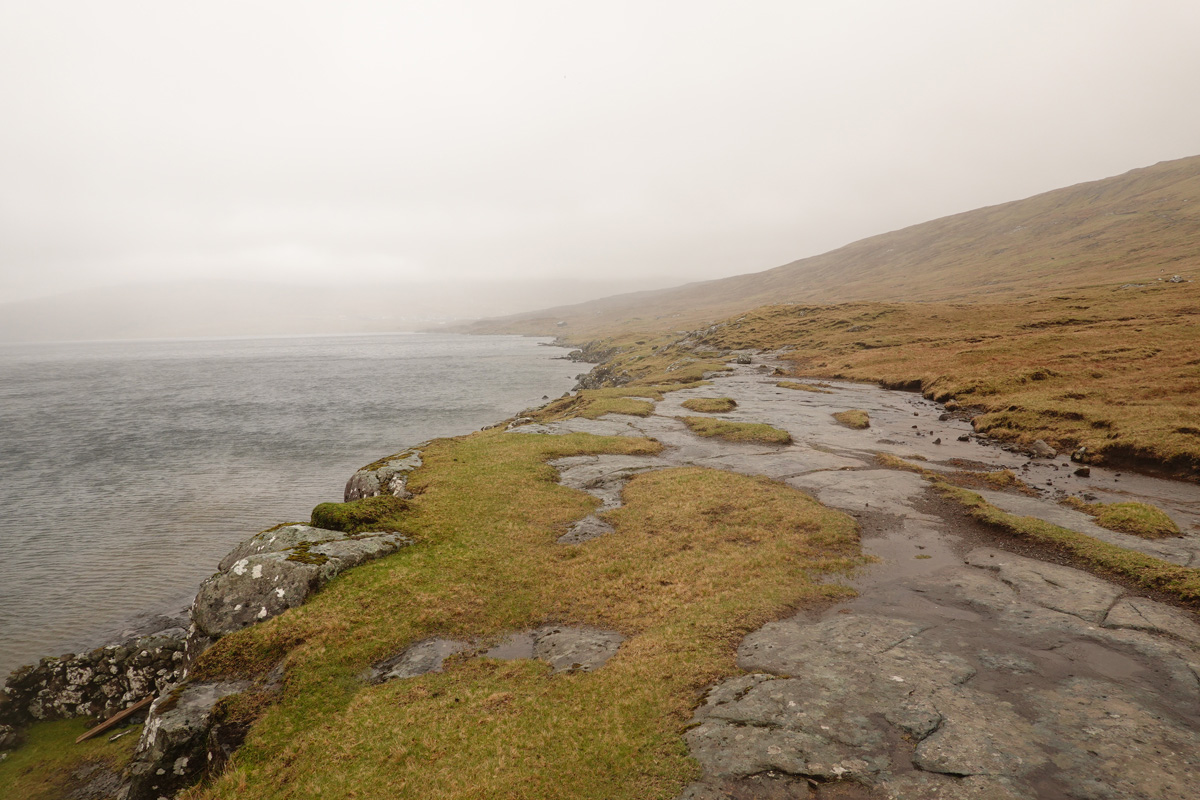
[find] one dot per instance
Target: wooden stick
(116, 719)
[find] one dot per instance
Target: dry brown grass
(1110, 369)
(1004, 479)
(1132, 228)
(804, 387)
(594, 403)
(1182, 583)
(1090, 553)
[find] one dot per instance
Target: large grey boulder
(172, 752)
(387, 476)
(277, 570)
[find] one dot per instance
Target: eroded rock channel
(961, 670)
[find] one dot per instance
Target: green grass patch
(1144, 570)
(49, 765)
(803, 387)
(700, 558)
(710, 405)
(381, 513)
(593, 403)
(1139, 519)
(758, 432)
(854, 418)
(618, 405)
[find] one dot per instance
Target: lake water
(128, 469)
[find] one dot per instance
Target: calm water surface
(128, 469)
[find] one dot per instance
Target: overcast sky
(458, 141)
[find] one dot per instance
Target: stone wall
(98, 683)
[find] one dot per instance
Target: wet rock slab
(420, 658)
(564, 648)
(1053, 686)
(603, 477)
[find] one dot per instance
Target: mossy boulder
(360, 516)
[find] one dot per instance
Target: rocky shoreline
(263, 576)
(189, 732)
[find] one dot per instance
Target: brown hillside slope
(1132, 227)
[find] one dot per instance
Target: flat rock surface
(960, 670)
(565, 648)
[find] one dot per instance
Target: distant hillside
(1135, 226)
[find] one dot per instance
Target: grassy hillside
(1134, 227)
(1114, 369)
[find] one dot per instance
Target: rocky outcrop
(597, 352)
(277, 570)
(177, 743)
(601, 377)
(387, 476)
(188, 732)
(594, 352)
(98, 683)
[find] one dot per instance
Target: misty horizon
(469, 160)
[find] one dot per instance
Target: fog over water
(436, 150)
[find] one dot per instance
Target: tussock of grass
(854, 418)
(699, 558)
(804, 387)
(593, 403)
(1147, 571)
(381, 513)
(710, 405)
(618, 405)
(1140, 519)
(1004, 479)
(758, 432)
(895, 462)
(42, 768)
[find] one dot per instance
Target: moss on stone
(379, 513)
